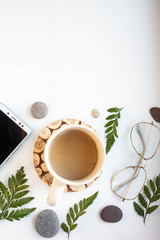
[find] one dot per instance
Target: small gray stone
(47, 223)
(111, 214)
(39, 110)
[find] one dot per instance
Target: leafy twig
(111, 126)
(144, 208)
(13, 197)
(75, 212)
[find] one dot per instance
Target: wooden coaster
(38, 153)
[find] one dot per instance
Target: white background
(76, 55)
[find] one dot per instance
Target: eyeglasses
(128, 182)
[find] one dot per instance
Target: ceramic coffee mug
(74, 155)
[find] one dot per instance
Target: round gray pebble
(47, 223)
(39, 110)
(111, 214)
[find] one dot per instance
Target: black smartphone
(13, 132)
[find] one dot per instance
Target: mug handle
(55, 193)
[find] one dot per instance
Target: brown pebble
(111, 214)
(155, 113)
(95, 113)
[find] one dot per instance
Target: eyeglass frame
(138, 166)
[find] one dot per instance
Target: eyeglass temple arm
(136, 173)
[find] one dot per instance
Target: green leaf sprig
(151, 195)
(75, 212)
(13, 197)
(111, 126)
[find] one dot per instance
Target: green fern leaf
(115, 109)
(152, 186)
(2, 201)
(138, 209)
(20, 213)
(157, 182)
(11, 197)
(73, 227)
(21, 202)
(152, 209)
(110, 142)
(147, 192)
(64, 227)
(155, 198)
(72, 213)
(69, 221)
(112, 116)
(11, 185)
(75, 213)
(111, 126)
(76, 208)
(142, 200)
(21, 194)
(150, 198)
(4, 191)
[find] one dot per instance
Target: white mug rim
(57, 176)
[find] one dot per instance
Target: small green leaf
(81, 213)
(116, 122)
(69, 221)
(110, 142)
(118, 115)
(21, 182)
(72, 213)
(81, 205)
(109, 124)
(76, 208)
(115, 131)
(155, 198)
(157, 182)
(152, 209)
(10, 185)
(142, 200)
(4, 207)
(152, 185)
(4, 191)
(73, 227)
(64, 227)
(108, 129)
(113, 109)
(5, 214)
(138, 209)
(112, 116)
(22, 187)
(21, 194)
(20, 213)
(147, 192)
(2, 201)
(21, 202)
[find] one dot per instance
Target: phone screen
(10, 136)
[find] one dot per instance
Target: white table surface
(76, 55)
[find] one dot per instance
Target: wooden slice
(39, 145)
(38, 152)
(46, 133)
